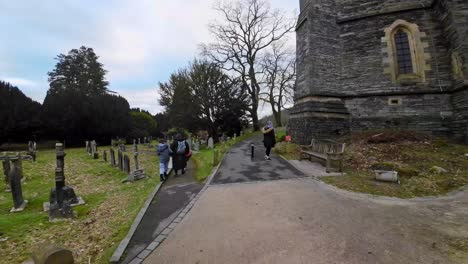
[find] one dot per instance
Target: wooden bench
(327, 151)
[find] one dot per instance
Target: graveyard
(109, 209)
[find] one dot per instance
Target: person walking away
(269, 139)
(164, 153)
(180, 150)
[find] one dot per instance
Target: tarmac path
(258, 211)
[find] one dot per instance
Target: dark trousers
(268, 150)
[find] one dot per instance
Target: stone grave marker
(120, 159)
(137, 173)
(139, 141)
(210, 143)
(88, 147)
(126, 164)
(94, 152)
(32, 150)
(6, 172)
(104, 156)
(62, 197)
(112, 157)
(15, 174)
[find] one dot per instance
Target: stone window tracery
(404, 56)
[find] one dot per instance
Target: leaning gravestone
(112, 157)
(210, 143)
(16, 174)
(62, 197)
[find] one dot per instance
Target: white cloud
(20, 82)
(146, 99)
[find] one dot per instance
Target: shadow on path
(173, 196)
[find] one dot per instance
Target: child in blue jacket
(164, 153)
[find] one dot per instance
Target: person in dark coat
(269, 139)
(180, 149)
(164, 153)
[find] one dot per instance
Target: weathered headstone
(120, 159)
(210, 143)
(32, 150)
(16, 173)
(94, 152)
(6, 171)
(88, 147)
(189, 141)
(235, 136)
(104, 156)
(139, 141)
(122, 147)
(62, 197)
(112, 157)
(137, 173)
(126, 164)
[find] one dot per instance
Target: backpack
(181, 147)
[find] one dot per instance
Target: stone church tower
(374, 64)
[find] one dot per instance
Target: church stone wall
(342, 48)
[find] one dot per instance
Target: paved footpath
(173, 196)
(266, 212)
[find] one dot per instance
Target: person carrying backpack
(180, 150)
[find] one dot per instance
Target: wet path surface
(238, 166)
(170, 200)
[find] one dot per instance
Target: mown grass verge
(101, 223)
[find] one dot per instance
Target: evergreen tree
(19, 117)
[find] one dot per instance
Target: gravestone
(210, 143)
(196, 146)
(235, 136)
(32, 150)
(228, 139)
(62, 197)
(112, 157)
(122, 147)
(94, 152)
(134, 141)
(6, 172)
(137, 173)
(15, 175)
(189, 141)
(242, 132)
(126, 164)
(104, 156)
(120, 159)
(88, 147)
(139, 141)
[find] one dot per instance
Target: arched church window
(404, 56)
(403, 52)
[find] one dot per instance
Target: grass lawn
(204, 160)
(413, 156)
(101, 224)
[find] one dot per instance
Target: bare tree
(279, 67)
(248, 29)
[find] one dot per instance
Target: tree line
(78, 106)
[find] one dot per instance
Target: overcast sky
(140, 42)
